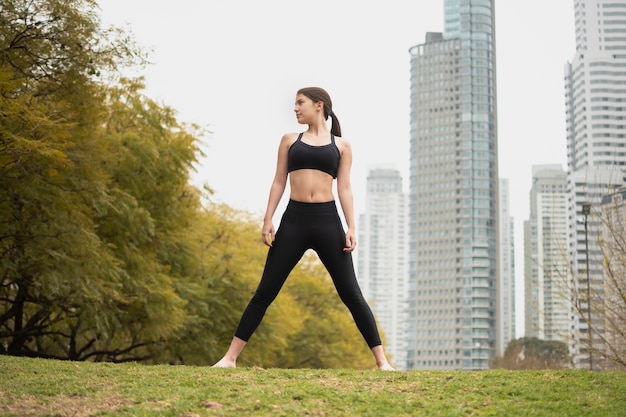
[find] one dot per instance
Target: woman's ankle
(225, 363)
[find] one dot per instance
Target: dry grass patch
(60, 405)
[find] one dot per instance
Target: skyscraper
(506, 285)
(547, 303)
(453, 192)
(381, 260)
(595, 91)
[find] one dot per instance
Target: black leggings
(305, 226)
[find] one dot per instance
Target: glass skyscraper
(453, 202)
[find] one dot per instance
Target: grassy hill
(38, 387)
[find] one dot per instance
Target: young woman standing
(312, 160)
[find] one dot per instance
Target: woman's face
(306, 111)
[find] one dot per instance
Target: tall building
(547, 303)
(595, 93)
(453, 192)
(382, 254)
(506, 285)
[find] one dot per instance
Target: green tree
(64, 279)
(144, 220)
(49, 57)
(217, 285)
(534, 353)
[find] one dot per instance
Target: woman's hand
(268, 233)
(350, 241)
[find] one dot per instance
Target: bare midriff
(311, 186)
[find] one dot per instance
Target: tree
(144, 220)
(59, 276)
(228, 260)
(534, 353)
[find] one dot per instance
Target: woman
(311, 160)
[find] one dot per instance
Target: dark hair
(317, 94)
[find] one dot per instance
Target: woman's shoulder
(289, 137)
(342, 143)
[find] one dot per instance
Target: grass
(38, 387)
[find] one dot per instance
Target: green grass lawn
(38, 387)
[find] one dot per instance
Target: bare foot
(224, 363)
(387, 367)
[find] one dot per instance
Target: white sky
(234, 66)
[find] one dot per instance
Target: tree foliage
(534, 353)
(107, 252)
(50, 107)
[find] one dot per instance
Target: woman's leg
(340, 267)
(285, 253)
(381, 359)
(230, 358)
(329, 247)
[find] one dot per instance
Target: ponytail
(335, 127)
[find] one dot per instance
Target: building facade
(547, 301)
(505, 318)
(595, 92)
(453, 193)
(382, 258)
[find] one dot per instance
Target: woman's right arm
(277, 189)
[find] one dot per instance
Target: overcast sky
(234, 66)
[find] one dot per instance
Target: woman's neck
(318, 129)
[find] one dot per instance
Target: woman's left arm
(344, 191)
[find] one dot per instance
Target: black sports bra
(323, 158)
